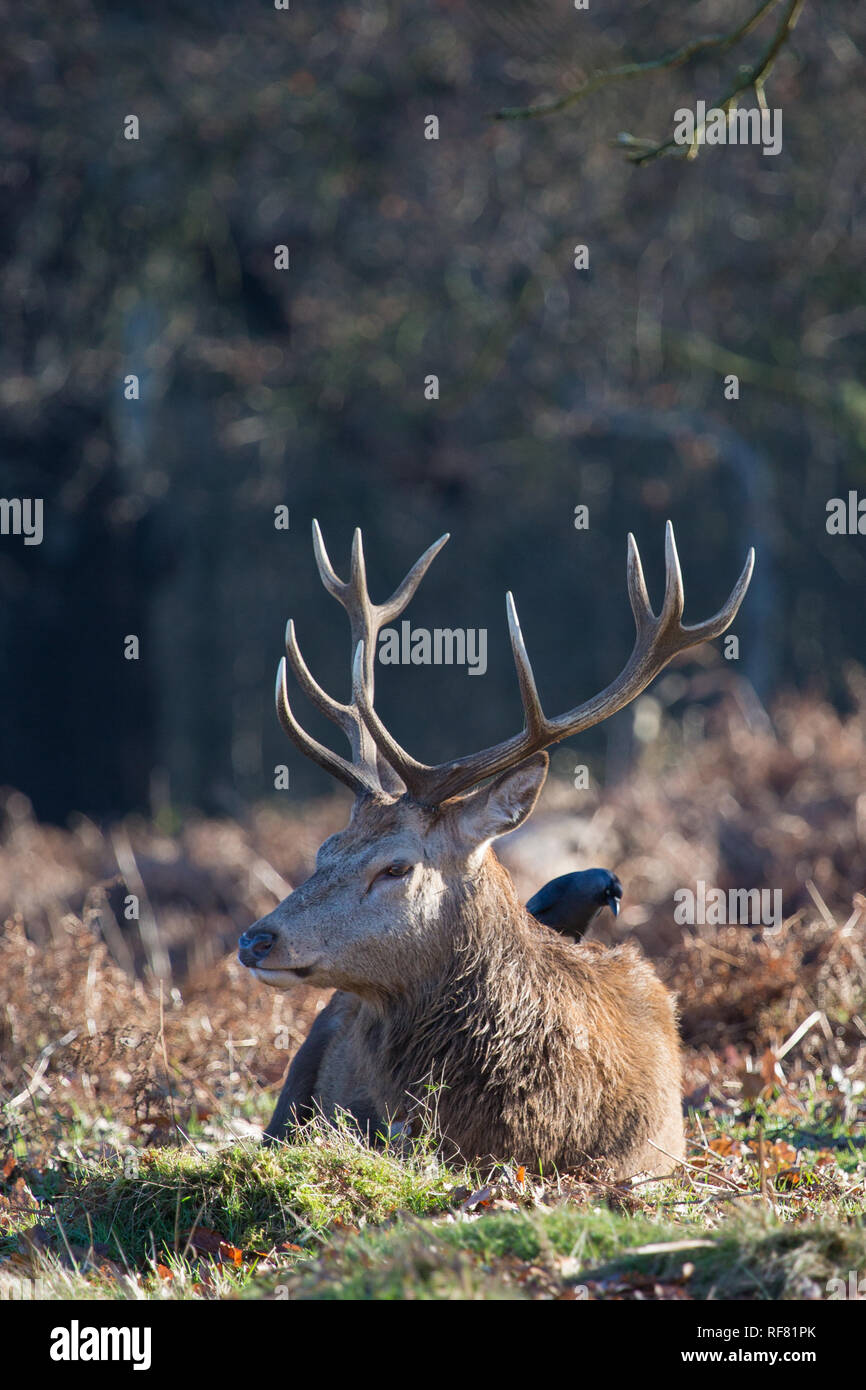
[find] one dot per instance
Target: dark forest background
(306, 387)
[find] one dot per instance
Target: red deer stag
(544, 1050)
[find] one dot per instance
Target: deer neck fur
(479, 1020)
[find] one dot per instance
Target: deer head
(389, 891)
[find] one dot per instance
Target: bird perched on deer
(570, 903)
(542, 1049)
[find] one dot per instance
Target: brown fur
(543, 1050)
(547, 1051)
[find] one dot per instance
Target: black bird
(570, 904)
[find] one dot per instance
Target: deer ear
(505, 804)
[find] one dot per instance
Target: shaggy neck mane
(484, 1024)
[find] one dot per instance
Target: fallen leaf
(479, 1198)
(206, 1242)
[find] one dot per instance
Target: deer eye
(399, 869)
(396, 870)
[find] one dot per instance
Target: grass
(330, 1219)
(580, 1254)
(178, 1221)
(254, 1197)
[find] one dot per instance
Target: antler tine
(410, 772)
(432, 784)
(353, 595)
(327, 573)
(657, 640)
(637, 590)
(366, 618)
(357, 568)
(535, 722)
(339, 713)
(357, 779)
(405, 591)
(716, 625)
(674, 599)
(369, 770)
(354, 598)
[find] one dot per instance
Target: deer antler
(657, 640)
(367, 772)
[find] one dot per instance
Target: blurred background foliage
(306, 387)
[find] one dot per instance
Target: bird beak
(614, 906)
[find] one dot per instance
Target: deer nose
(254, 946)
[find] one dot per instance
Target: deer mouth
(282, 976)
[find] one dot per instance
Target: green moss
(567, 1250)
(253, 1197)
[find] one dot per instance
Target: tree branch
(643, 151)
(754, 76)
(677, 58)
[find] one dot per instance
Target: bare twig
(822, 907)
(675, 59)
(267, 874)
(814, 1017)
(693, 1168)
(165, 1057)
(670, 1247)
(147, 923)
(749, 76)
(754, 76)
(40, 1069)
